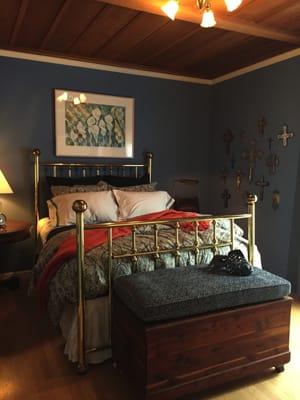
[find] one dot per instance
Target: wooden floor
(32, 364)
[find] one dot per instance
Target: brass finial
(36, 152)
(251, 198)
(149, 154)
(79, 206)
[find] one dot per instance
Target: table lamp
(4, 189)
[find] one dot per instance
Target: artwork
(275, 199)
(285, 136)
(262, 184)
(93, 125)
(272, 162)
(261, 125)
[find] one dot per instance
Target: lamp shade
(4, 185)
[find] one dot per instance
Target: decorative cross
(226, 196)
(285, 136)
(262, 184)
(272, 162)
(271, 140)
(276, 199)
(228, 138)
(261, 125)
(251, 156)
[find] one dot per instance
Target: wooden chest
(168, 360)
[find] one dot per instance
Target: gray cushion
(175, 293)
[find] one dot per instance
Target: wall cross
(262, 184)
(285, 136)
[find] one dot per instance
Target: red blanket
(97, 237)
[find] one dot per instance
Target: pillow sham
(101, 208)
(59, 190)
(121, 181)
(133, 204)
(148, 187)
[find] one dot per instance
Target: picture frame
(93, 125)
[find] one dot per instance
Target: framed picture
(93, 125)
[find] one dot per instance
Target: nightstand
(14, 231)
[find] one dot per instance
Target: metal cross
(261, 125)
(285, 136)
(228, 138)
(262, 184)
(271, 140)
(273, 163)
(251, 156)
(226, 196)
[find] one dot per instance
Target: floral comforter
(63, 286)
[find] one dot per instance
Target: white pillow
(133, 204)
(101, 208)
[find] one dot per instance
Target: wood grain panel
(160, 41)
(8, 15)
(110, 20)
(37, 20)
(132, 34)
(71, 27)
(255, 50)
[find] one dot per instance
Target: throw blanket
(97, 237)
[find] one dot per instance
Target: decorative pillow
(101, 208)
(148, 187)
(121, 181)
(59, 190)
(133, 204)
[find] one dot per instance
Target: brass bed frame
(80, 207)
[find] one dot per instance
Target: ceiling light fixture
(171, 7)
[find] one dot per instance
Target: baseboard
(19, 274)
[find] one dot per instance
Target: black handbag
(233, 264)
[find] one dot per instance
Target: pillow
(66, 181)
(101, 208)
(59, 190)
(133, 204)
(148, 187)
(121, 181)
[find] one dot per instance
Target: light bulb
(171, 8)
(208, 18)
(232, 4)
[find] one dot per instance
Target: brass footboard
(80, 206)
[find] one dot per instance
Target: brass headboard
(84, 169)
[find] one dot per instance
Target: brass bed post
(251, 200)
(80, 206)
(149, 161)
(36, 157)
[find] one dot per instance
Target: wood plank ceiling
(135, 33)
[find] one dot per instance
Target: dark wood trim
(19, 20)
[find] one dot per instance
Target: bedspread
(63, 286)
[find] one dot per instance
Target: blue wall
(237, 104)
(172, 119)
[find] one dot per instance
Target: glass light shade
(171, 9)
(208, 18)
(4, 185)
(232, 4)
(82, 98)
(63, 97)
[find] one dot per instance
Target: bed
(78, 297)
